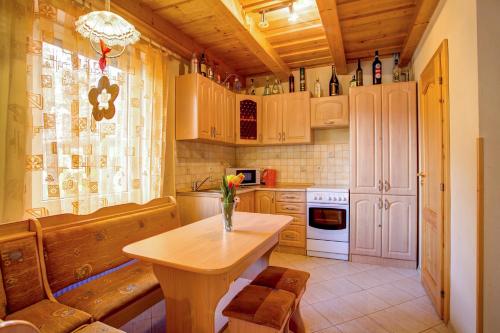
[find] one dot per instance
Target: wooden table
(196, 264)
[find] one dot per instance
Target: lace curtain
(73, 163)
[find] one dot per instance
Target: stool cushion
(98, 327)
(283, 278)
(261, 305)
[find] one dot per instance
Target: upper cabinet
(202, 110)
(383, 139)
(248, 118)
(330, 112)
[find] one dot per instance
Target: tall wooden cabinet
(383, 139)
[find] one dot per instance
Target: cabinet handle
(288, 208)
(380, 185)
(279, 136)
(387, 186)
(386, 204)
(260, 137)
(329, 122)
(283, 136)
(380, 203)
(288, 236)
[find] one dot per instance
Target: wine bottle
(194, 64)
(377, 69)
(302, 72)
(317, 88)
(353, 82)
(276, 88)
(252, 87)
(291, 83)
(359, 74)
(334, 88)
(203, 65)
(396, 70)
(267, 88)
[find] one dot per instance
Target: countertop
(247, 189)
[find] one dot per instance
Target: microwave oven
(252, 176)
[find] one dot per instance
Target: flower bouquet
(229, 200)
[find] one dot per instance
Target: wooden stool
(98, 327)
(260, 309)
(290, 280)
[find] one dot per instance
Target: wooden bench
(86, 268)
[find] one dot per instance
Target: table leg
(191, 299)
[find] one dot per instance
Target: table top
(205, 247)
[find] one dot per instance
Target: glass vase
(227, 214)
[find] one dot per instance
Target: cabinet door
(264, 202)
(399, 138)
(229, 122)
(272, 119)
(204, 101)
(217, 112)
(366, 224)
(399, 227)
(248, 118)
(293, 235)
(296, 118)
(365, 139)
(247, 203)
(330, 112)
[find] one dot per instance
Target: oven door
(328, 222)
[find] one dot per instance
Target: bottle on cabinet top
(353, 82)
(334, 88)
(291, 83)
(359, 74)
(276, 88)
(252, 87)
(267, 88)
(203, 65)
(377, 69)
(396, 70)
(302, 71)
(317, 88)
(194, 64)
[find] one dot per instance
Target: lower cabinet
(264, 202)
(247, 202)
(383, 226)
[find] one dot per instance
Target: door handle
(387, 186)
(380, 185)
(421, 174)
(386, 204)
(380, 203)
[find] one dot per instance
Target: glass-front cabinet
(248, 119)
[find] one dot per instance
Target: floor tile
(386, 275)
(343, 269)
(313, 320)
(321, 273)
(317, 292)
(441, 328)
(365, 302)
(340, 286)
(337, 310)
(406, 272)
(361, 325)
(365, 280)
(422, 310)
(332, 329)
(395, 320)
(410, 286)
(390, 294)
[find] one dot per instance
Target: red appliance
(269, 177)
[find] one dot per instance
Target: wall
(489, 120)
(324, 162)
(453, 20)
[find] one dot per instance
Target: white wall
(455, 20)
(489, 122)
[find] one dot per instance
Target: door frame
(442, 53)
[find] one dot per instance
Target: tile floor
(344, 297)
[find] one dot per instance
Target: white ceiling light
(293, 17)
(108, 27)
(263, 23)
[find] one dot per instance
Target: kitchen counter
(247, 189)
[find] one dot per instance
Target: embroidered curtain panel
(73, 163)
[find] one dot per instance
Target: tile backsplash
(324, 162)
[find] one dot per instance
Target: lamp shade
(109, 27)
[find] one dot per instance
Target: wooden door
(204, 101)
(217, 113)
(434, 165)
(296, 118)
(264, 202)
(229, 113)
(330, 112)
(366, 224)
(399, 227)
(366, 139)
(272, 119)
(399, 138)
(248, 116)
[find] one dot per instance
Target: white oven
(328, 222)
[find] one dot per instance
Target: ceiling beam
(423, 14)
(154, 26)
(331, 23)
(249, 35)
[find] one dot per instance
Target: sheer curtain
(73, 163)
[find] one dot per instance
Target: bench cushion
(98, 327)
(51, 317)
(283, 278)
(112, 292)
(20, 267)
(261, 305)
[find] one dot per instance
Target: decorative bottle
(194, 64)
(267, 88)
(302, 71)
(317, 88)
(377, 69)
(291, 83)
(359, 74)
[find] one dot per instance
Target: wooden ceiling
(326, 31)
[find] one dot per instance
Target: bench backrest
(21, 282)
(77, 247)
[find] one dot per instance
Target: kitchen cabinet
(286, 118)
(200, 106)
(264, 202)
(383, 139)
(247, 202)
(193, 208)
(294, 236)
(229, 113)
(330, 112)
(248, 119)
